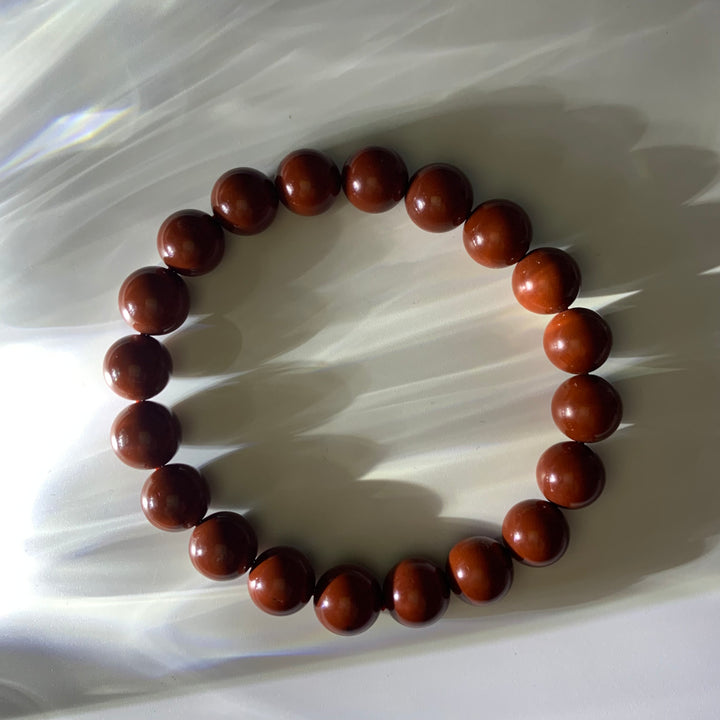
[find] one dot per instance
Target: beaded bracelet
(281, 580)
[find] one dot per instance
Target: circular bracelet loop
(281, 580)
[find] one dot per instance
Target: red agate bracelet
(281, 580)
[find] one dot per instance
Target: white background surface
(361, 388)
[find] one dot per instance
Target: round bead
(175, 497)
(439, 197)
(191, 242)
(375, 179)
(570, 474)
(536, 532)
(145, 435)
(281, 581)
(223, 546)
(546, 280)
(244, 201)
(137, 367)
(586, 408)
(347, 600)
(416, 592)
(497, 233)
(577, 341)
(154, 300)
(308, 182)
(479, 570)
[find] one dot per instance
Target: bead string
(497, 233)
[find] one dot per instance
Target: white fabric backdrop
(361, 388)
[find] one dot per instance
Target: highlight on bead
(244, 201)
(479, 570)
(439, 197)
(281, 581)
(416, 592)
(546, 280)
(307, 182)
(191, 242)
(570, 475)
(497, 233)
(154, 300)
(137, 367)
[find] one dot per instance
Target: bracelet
(281, 580)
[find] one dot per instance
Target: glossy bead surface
(175, 497)
(416, 592)
(497, 233)
(145, 435)
(577, 341)
(244, 201)
(536, 532)
(223, 546)
(375, 179)
(546, 280)
(570, 474)
(479, 570)
(586, 408)
(307, 182)
(154, 300)
(281, 581)
(439, 197)
(137, 367)
(347, 600)
(191, 242)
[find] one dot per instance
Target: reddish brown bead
(175, 497)
(570, 474)
(416, 592)
(577, 341)
(137, 367)
(546, 280)
(145, 435)
(244, 201)
(439, 197)
(375, 179)
(307, 182)
(154, 300)
(586, 408)
(536, 532)
(479, 570)
(281, 581)
(191, 242)
(223, 546)
(497, 233)
(347, 600)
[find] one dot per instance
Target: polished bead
(416, 592)
(145, 435)
(577, 341)
(281, 581)
(347, 600)
(497, 233)
(244, 201)
(154, 300)
(308, 182)
(586, 408)
(570, 474)
(137, 367)
(479, 570)
(536, 532)
(439, 197)
(375, 179)
(546, 280)
(191, 242)
(175, 497)
(223, 546)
